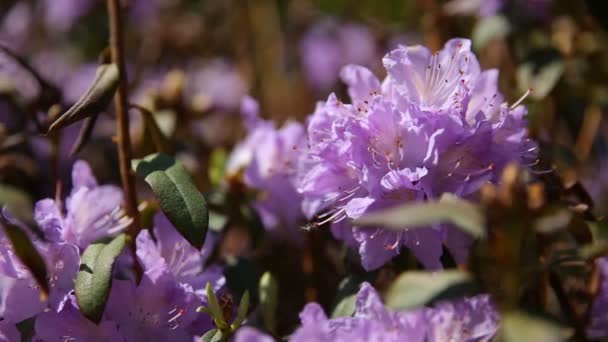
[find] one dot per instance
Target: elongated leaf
(519, 326)
(94, 279)
(417, 288)
(179, 199)
(269, 294)
(27, 253)
(213, 335)
(95, 99)
(214, 309)
(449, 209)
(242, 313)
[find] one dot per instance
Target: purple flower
(269, 157)
(217, 83)
(69, 324)
(598, 325)
(328, 46)
(469, 319)
(172, 254)
(155, 310)
(21, 297)
(93, 211)
(9, 332)
(62, 14)
(249, 334)
(436, 124)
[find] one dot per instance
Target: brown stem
(123, 138)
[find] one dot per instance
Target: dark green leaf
(94, 279)
(27, 253)
(449, 209)
(179, 198)
(242, 313)
(413, 289)
(519, 326)
(213, 335)
(95, 99)
(269, 294)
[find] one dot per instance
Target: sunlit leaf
(269, 294)
(242, 312)
(17, 202)
(489, 28)
(519, 326)
(94, 279)
(213, 335)
(413, 289)
(540, 81)
(448, 209)
(178, 197)
(214, 309)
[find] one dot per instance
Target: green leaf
(449, 209)
(94, 279)
(27, 253)
(541, 81)
(345, 296)
(519, 326)
(242, 313)
(488, 29)
(269, 294)
(552, 222)
(179, 198)
(213, 335)
(345, 307)
(217, 163)
(18, 202)
(417, 288)
(94, 100)
(214, 308)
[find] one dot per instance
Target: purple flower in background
(93, 211)
(436, 124)
(482, 8)
(327, 47)
(172, 254)
(60, 15)
(218, 83)
(598, 325)
(468, 319)
(269, 158)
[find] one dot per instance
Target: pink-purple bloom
(329, 46)
(92, 212)
(268, 158)
(468, 319)
(436, 124)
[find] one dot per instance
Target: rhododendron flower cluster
(435, 124)
(161, 307)
(469, 319)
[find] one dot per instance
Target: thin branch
(122, 118)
